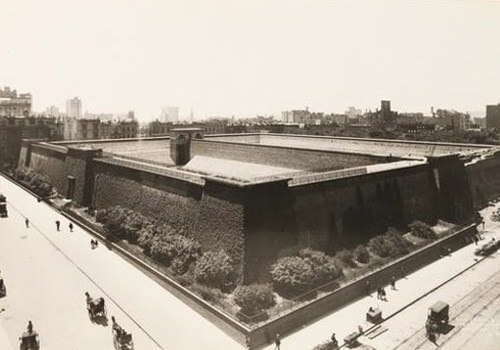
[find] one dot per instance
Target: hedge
(422, 230)
(254, 299)
(361, 254)
(215, 269)
(294, 275)
(37, 183)
(391, 244)
(156, 240)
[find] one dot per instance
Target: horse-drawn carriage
(121, 339)
(3, 206)
(95, 307)
(437, 317)
(29, 340)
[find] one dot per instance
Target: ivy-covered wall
(212, 214)
(484, 180)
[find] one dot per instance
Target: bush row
(422, 230)
(390, 244)
(37, 183)
(294, 275)
(168, 247)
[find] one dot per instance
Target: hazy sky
(247, 57)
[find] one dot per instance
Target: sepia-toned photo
(250, 174)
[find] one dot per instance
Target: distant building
(353, 113)
(170, 114)
(14, 105)
(74, 107)
(302, 116)
(158, 128)
(81, 129)
(14, 129)
(493, 116)
(386, 115)
(52, 111)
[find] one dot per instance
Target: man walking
(27, 222)
(393, 283)
(277, 342)
(70, 227)
(58, 225)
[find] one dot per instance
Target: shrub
(379, 246)
(102, 215)
(292, 275)
(346, 257)
(254, 299)
(323, 266)
(422, 230)
(361, 254)
(117, 217)
(398, 244)
(295, 275)
(215, 269)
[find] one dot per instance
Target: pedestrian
(27, 222)
(360, 329)
(482, 222)
(335, 343)
(383, 296)
(379, 293)
(403, 272)
(58, 225)
(277, 342)
(393, 283)
(368, 287)
(30, 327)
(70, 227)
(475, 239)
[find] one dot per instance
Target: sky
(242, 58)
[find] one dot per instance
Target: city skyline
(243, 59)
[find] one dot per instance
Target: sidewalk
(4, 340)
(145, 308)
(346, 320)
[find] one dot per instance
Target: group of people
(381, 295)
(94, 243)
(58, 226)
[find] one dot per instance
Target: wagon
(438, 313)
(29, 341)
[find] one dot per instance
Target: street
(47, 274)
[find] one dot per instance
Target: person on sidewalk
(70, 227)
(383, 296)
(367, 287)
(393, 283)
(335, 343)
(58, 225)
(277, 342)
(27, 222)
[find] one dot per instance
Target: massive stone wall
(212, 214)
(50, 163)
(334, 214)
(484, 180)
(282, 156)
